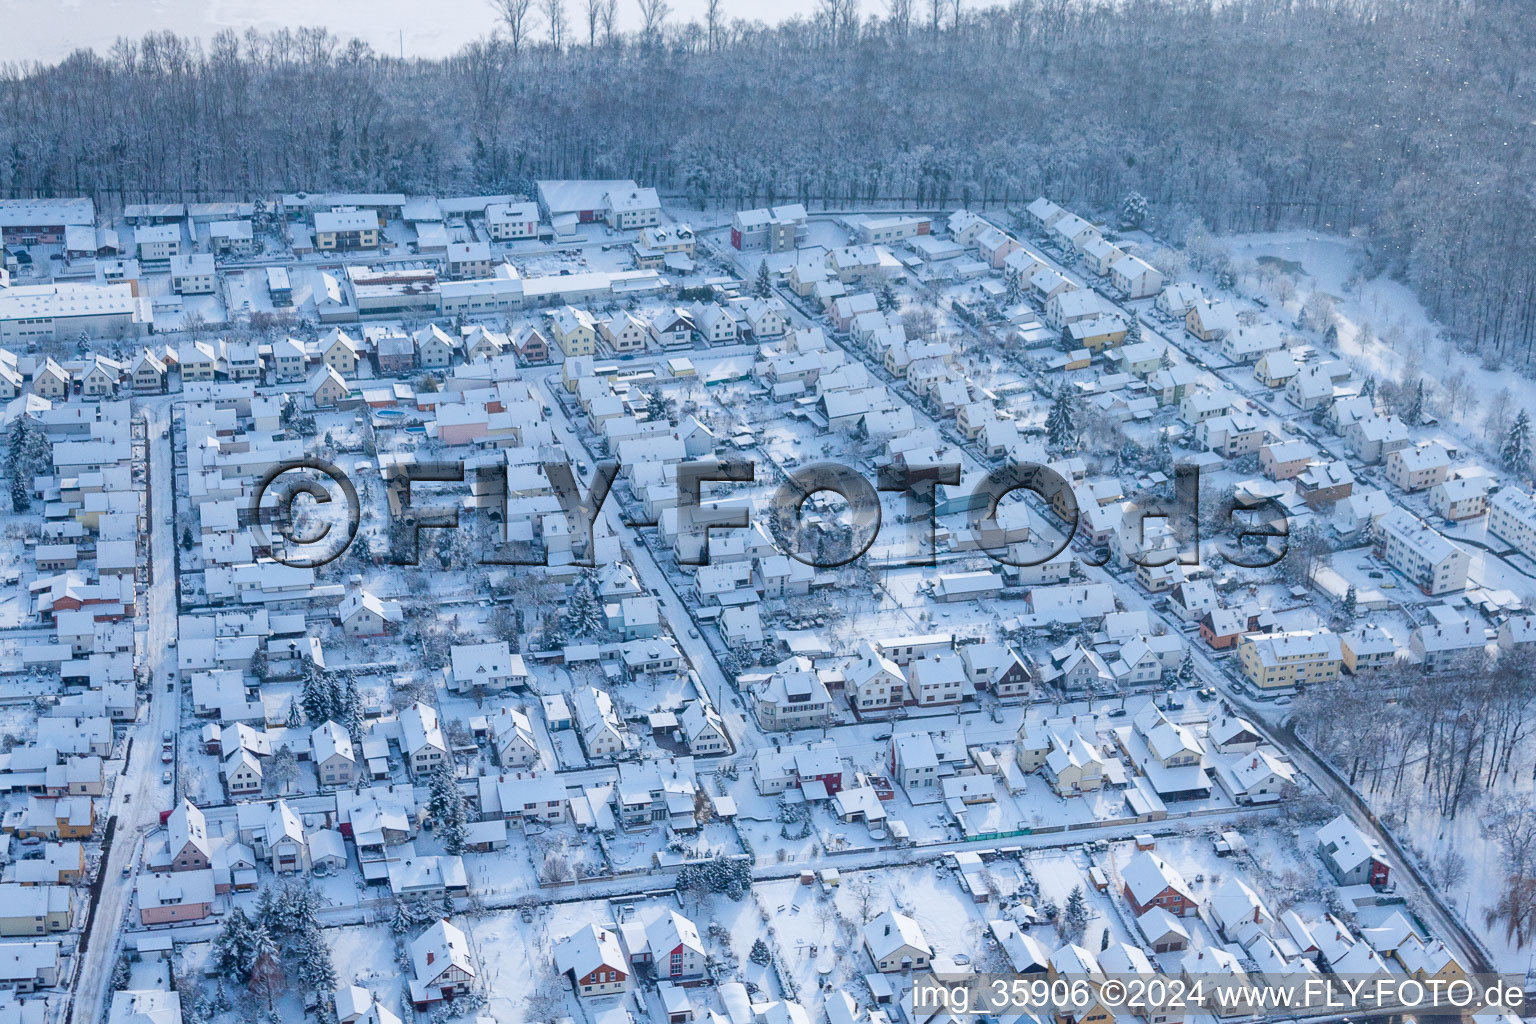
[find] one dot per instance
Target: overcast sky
(49, 29)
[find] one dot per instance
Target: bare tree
(935, 15)
(652, 14)
(1513, 826)
(712, 20)
(900, 12)
(840, 16)
(594, 12)
(610, 21)
(1517, 909)
(1496, 414)
(554, 13)
(515, 14)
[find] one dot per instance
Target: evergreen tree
(761, 954)
(335, 697)
(317, 971)
(584, 610)
(1413, 415)
(1074, 915)
(271, 913)
(266, 966)
(352, 707)
(1060, 429)
(315, 693)
(234, 948)
(27, 453)
(1133, 330)
(1104, 942)
(1351, 605)
(446, 808)
(294, 718)
(1133, 210)
(186, 538)
(763, 286)
(122, 973)
(21, 491)
(1515, 452)
(1368, 389)
(301, 905)
(659, 408)
(400, 923)
(1187, 667)
(38, 449)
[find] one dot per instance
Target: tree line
(1404, 124)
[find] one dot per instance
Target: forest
(1406, 125)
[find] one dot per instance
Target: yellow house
(33, 909)
(972, 417)
(346, 229)
(1432, 964)
(1072, 963)
(51, 381)
(326, 387)
(574, 331)
(339, 353)
(1096, 333)
(1297, 658)
(573, 371)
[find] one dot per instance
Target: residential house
(187, 842)
(346, 228)
(1367, 648)
(363, 614)
(1512, 516)
(703, 730)
(173, 898)
(1460, 498)
(1134, 277)
(334, 757)
(421, 739)
(574, 330)
(147, 373)
(603, 733)
(509, 222)
(592, 959)
(1430, 560)
(193, 274)
(340, 352)
(326, 388)
(1296, 658)
(441, 964)
(435, 347)
(1352, 856)
(895, 943)
(1149, 881)
(485, 668)
(1419, 468)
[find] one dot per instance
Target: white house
(895, 943)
